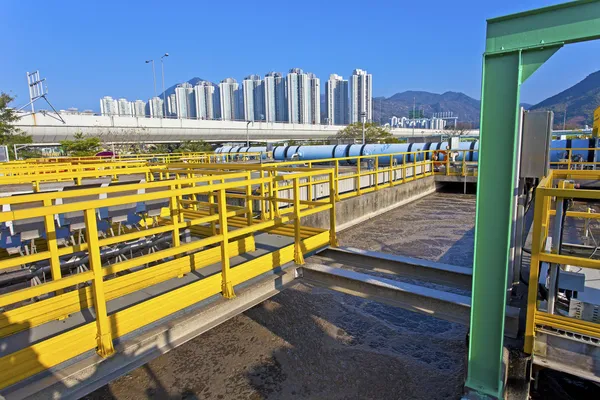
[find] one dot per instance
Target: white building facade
(208, 101)
(254, 98)
(361, 96)
(108, 106)
(232, 100)
(336, 97)
(186, 101)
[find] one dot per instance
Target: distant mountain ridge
(580, 101)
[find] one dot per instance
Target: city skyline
(295, 98)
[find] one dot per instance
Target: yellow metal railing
(548, 190)
(206, 157)
(199, 204)
(575, 158)
(356, 175)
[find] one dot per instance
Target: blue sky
(90, 49)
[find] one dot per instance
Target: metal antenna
(37, 90)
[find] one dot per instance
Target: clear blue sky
(90, 49)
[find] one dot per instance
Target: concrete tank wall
(357, 209)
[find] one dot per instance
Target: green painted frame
(516, 46)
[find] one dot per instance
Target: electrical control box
(535, 143)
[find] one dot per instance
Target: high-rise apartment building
(303, 97)
(155, 107)
(361, 96)
(108, 106)
(254, 98)
(139, 108)
(208, 101)
(124, 107)
(276, 104)
(232, 100)
(314, 99)
(172, 106)
(186, 101)
(336, 95)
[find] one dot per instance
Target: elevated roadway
(47, 128)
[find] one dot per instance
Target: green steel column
(516, 45)
(495, 187)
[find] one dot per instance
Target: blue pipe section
(319, 152)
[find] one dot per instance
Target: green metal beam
(517, 45)
(496, 168)
(572, 22)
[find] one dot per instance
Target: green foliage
(9, 134)
(80, 146)
(194, 146)
(374, 133)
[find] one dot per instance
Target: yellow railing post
(226, 285)
(249, 200)
(358, 161)
(391, 171)
(211, 209)
(337, 179)
(332, 218)
(103, 336)
(403, 167)
(376, 172)
(309, 186)
(298, 256)
(464, 164)
(263, 202)
(539, 217)
(175, 219)
(52, 245)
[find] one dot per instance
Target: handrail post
(358, 162)
(263, 202)
(332, 218)
(211, 209)
(52, 245)
(249, 208)
(226, 284)
(298, 256)
(391, 172)
(309, 186)
(464, 163)
(175, 219)
(376, 172)
(104, 336)
(403, 167)
(337, 179)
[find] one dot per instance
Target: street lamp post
(153, 74)
(363, 115)
(162, 66)
(247, 133)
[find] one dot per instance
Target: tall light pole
(247, 133)
(363, 115)
(162, 67)
(153, 74)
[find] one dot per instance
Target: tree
(373, 133)
(10, 134)
(460, 129)
(81, 145)
(194, 146)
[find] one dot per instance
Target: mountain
(169, 91)
(580, 101)
(464, 107)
